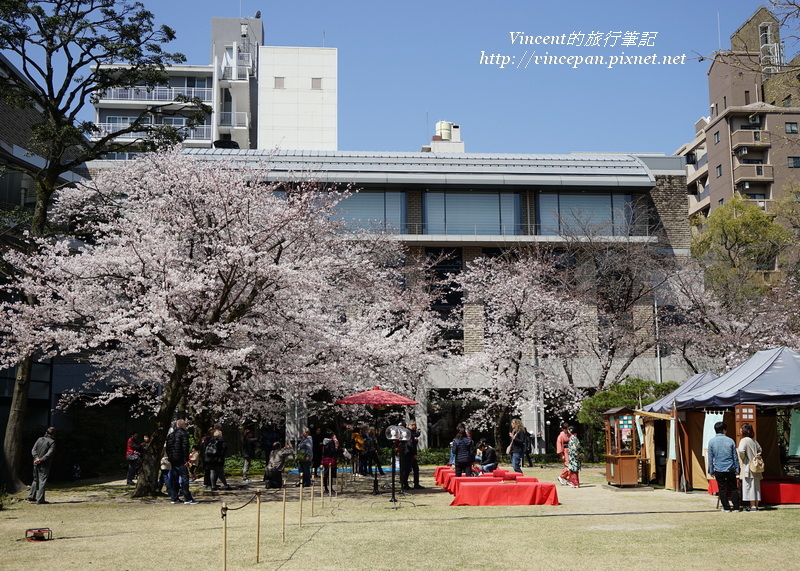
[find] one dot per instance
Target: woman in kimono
(575, 453)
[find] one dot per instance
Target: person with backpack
(330, 447)
(215, 451)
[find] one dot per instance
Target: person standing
(316, 438)
(723, 464)
(463, 451)
(133, 454)
(561, 450)
(330, 448)
(372, 448)
(216, 450)
(178, 454)
(751, 481)
(517, 446)
(305, 456)
(410, 461)
(575, 456)
(248, 453)
(42, 452)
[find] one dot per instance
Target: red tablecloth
(438, 474)
(773, 491)
(446, 477)
(527, 479)
(455, 483)
(480, 493)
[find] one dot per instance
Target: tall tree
(735, 296)
(62, 56)
(200, 285)
(527, 316)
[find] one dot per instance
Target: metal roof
(473, 169)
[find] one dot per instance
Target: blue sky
(403, 66)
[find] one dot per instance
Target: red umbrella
(377, 396)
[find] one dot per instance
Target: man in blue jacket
(723, 464)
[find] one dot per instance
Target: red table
(438, 474)
(446, 477)
(773, 490)
(480, 493)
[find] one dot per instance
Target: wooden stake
(224, 536)
(283, 523)
(258, 524)
(301, 505)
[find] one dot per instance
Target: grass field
(98, 526)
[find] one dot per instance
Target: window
(280, 83)
(791, 127)
(794, 162)
(374, 210)
(787, 101)
(316, 83)
(466, 212)
(174, 121)
(724, 101)
(719, 171)
(716, 137)
(199, 82)
(747, 97)
(566, 213)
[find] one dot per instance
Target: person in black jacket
(178, 454)
(463, 451)
(248, 453)
(488, 457)
(215, 452)
(409, 462)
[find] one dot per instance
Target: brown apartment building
(749, 143)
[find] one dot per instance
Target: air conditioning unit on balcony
(742, 151)
(745, 186)
(754, 119)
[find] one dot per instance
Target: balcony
(239, 120)
(155, 95)
(750, 138)
(235, 72)
(752, 173)
(699, 171)
(766, 204)
(198, 133)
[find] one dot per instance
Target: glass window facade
(471, 213)
(561, 213)
(383, 211)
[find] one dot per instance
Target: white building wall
(298, 111)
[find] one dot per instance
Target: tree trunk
(15, 428)
(150, 469)
(12, 445)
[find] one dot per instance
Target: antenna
(719, 34)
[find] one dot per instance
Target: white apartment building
(260, 97)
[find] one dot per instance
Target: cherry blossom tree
(527, 318)
(202, 289)
(61, 56)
